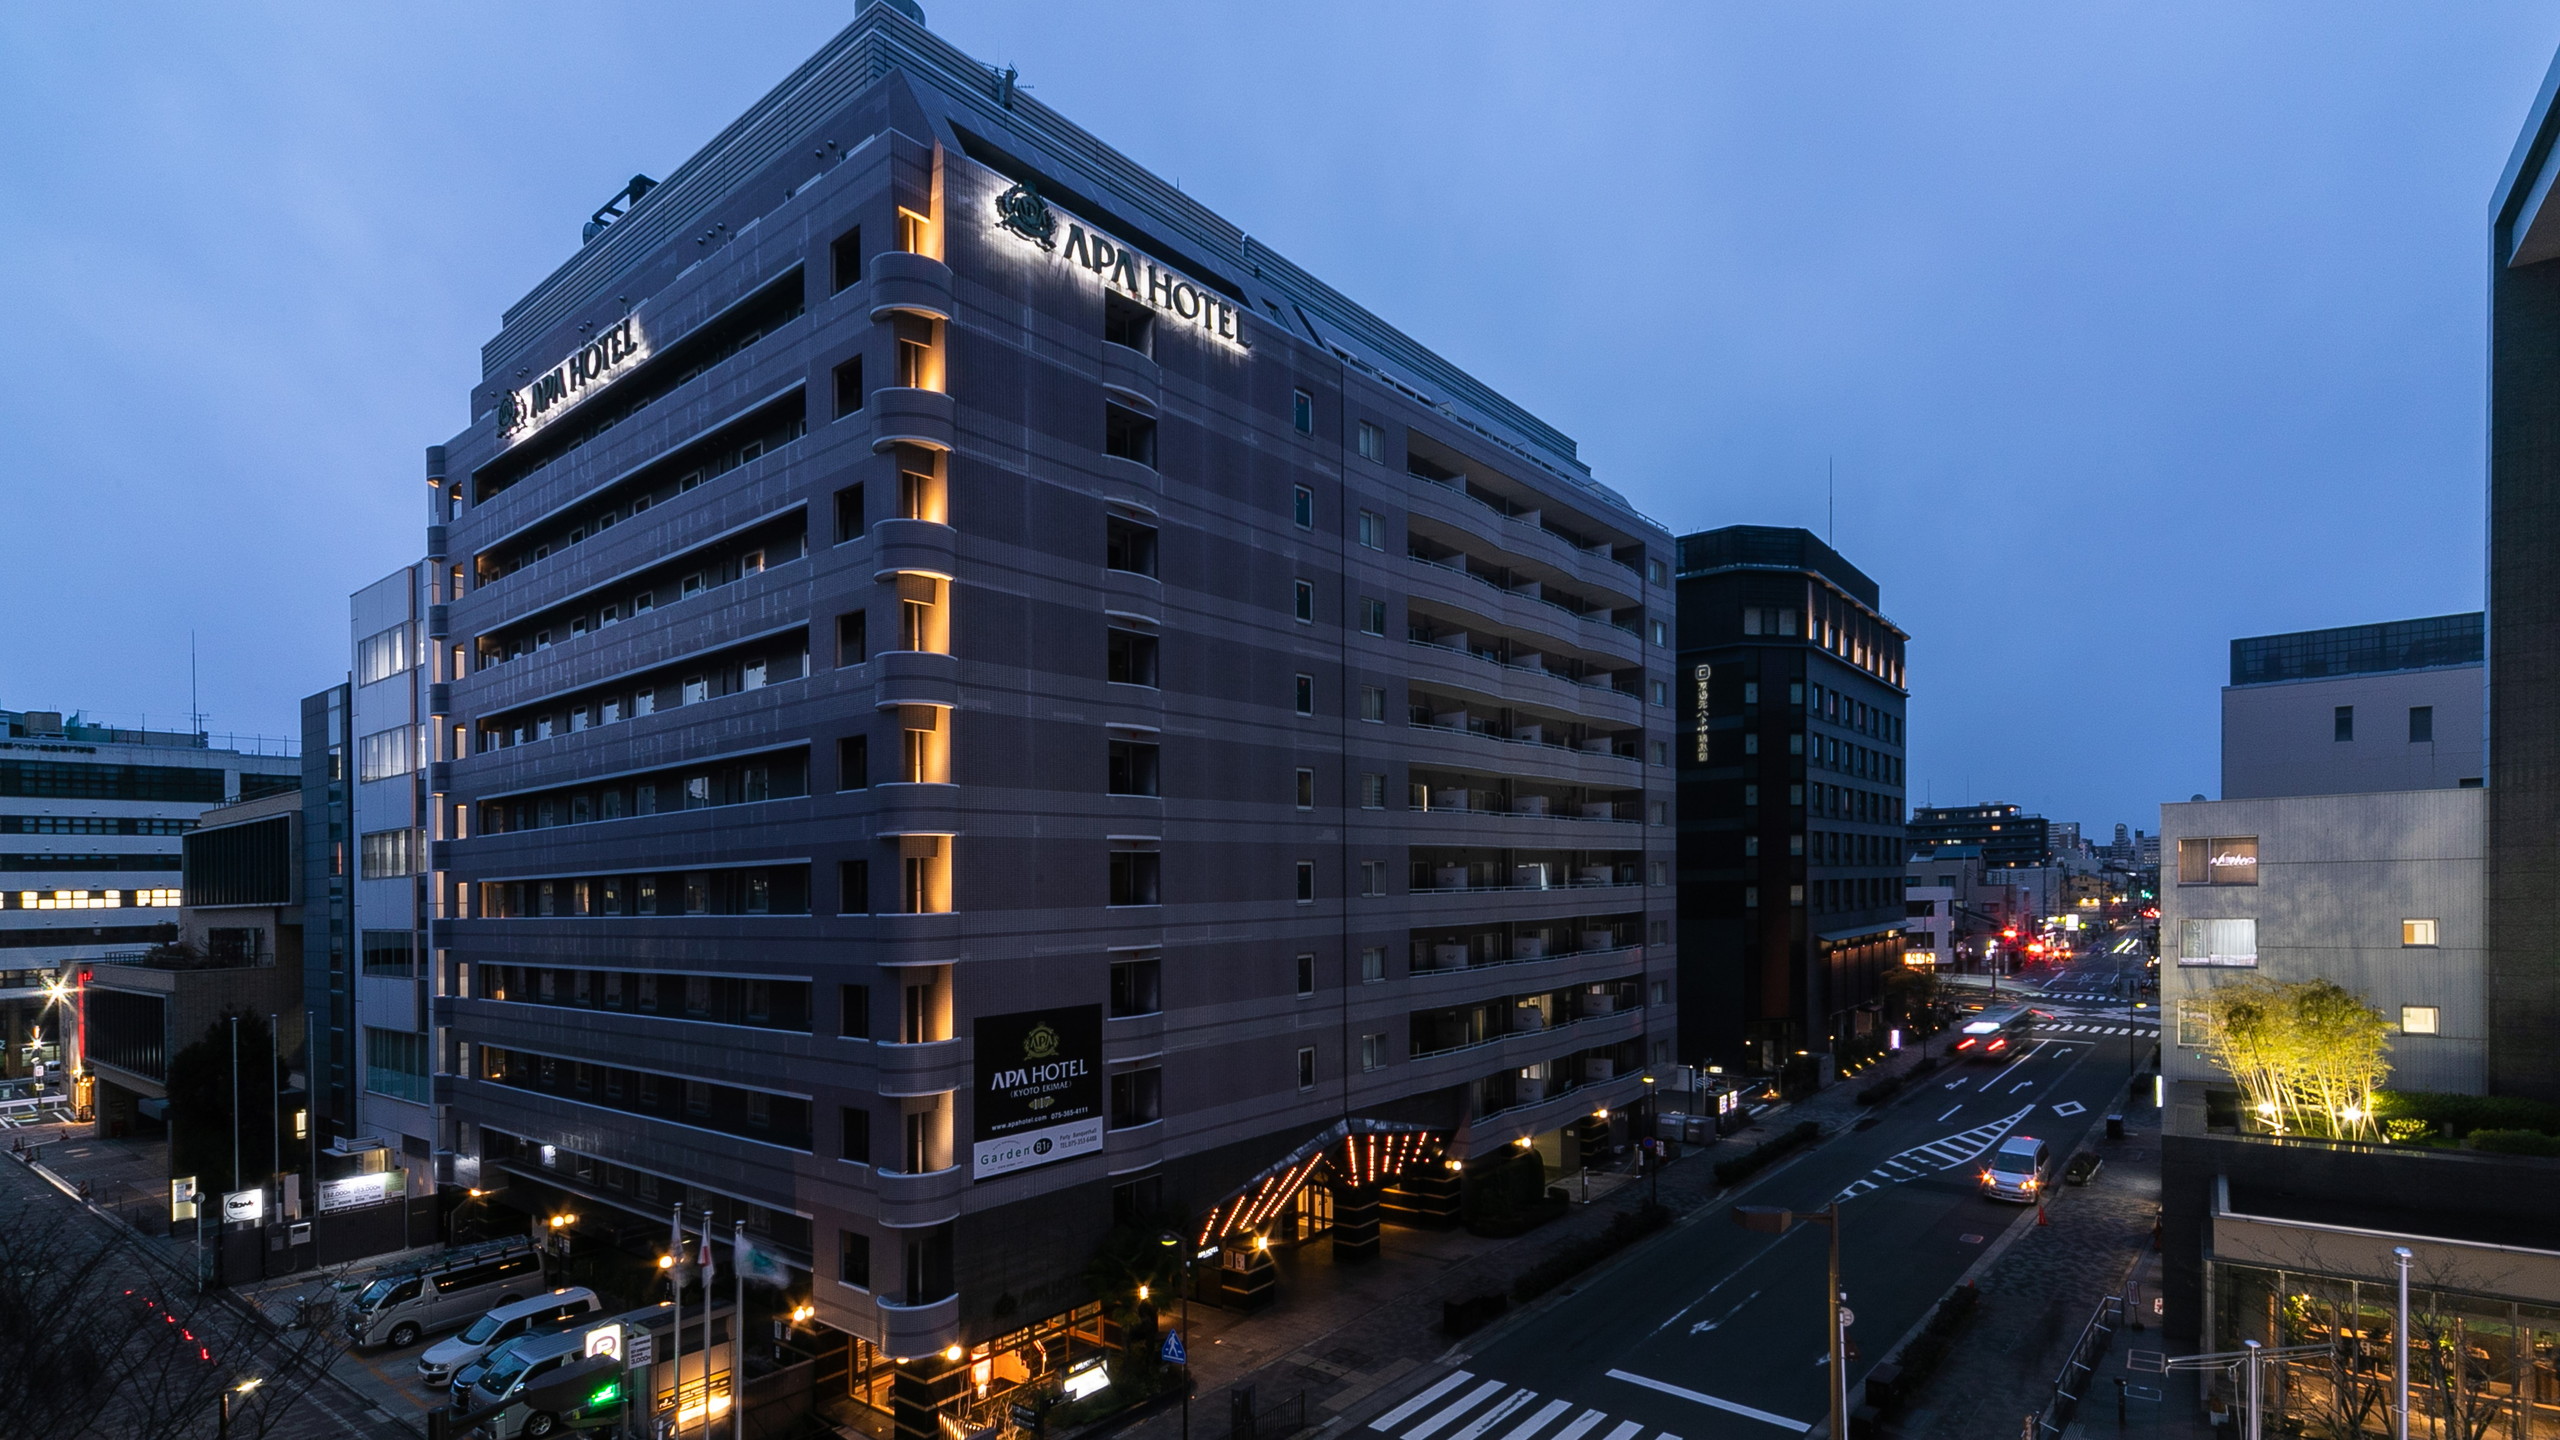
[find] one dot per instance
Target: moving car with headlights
(2017, 1170)
(1995, 1033)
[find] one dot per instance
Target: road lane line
(1627, 1430)
(1447, 1383)
(1728, 1406)
(1950, 1115)
(1511, 1404)
(1583, 1422)
(1471, 1400)
(1547, 1412)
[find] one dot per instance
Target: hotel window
(1373, 530)
(920, 489)
(849, 520)
(1661, 632)
(1373, 965)
(844, 261)
(1306, 975)
(1306, 789)
(1137, 1097)
(854, 1020)
(2422, 724)
(1373, 616)
(1137, 987)
(915, 364)
(1795, 894)
(1130, 658)
(1307, 1067)
(1302, 507)
(1373, 878)
(1373, 1051)
(1373, 443)
(853, 894)
(853, 638)
(1661, 692)
(853, 1259)
(853, 762)
(1128, 434)
(388, 853)
(2418, 932)
(1662, 752)
(1658, 932)
(2342, 723)
(1302, 412)
(1134, 767)
(1373, 792)
(849, 387)
(2418, 1019)
(1306, 602)
(1661, 872)
(1127, 323)
(1128, 546)
(915, 232)
(1306, 882)
(1653, 572)
(2218, 942)
(1373, 704)
(1136, 877)
(1661, 812)
(1306, 695)
(853, 1135)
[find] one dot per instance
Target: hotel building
(970, 700)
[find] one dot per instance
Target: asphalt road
(1717, 1332)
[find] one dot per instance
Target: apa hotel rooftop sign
(596, 364)
(1167, 292)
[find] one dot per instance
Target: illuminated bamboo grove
(2307, 1054)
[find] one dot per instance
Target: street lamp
(1778, 1220)
(223, 1425)
(1168, 1238)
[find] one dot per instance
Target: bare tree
(100, 1339)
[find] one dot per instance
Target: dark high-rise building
(2523, 969)
(328, 963)
(2005, 836)
(972, 699)
(1791, 797)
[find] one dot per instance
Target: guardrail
(2077, 1371)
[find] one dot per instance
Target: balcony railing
(1595, 613)
(1490, 658)
(1486, 732)
(1471, 964)
(1558, 1028)
(1458, 487)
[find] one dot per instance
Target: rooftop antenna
(195, 717)
(1830, 503)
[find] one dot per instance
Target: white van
(526, 1364)
(401, 1306)
(2017, 1170)
(542, 1312)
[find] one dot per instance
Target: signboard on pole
(1039, 1079)
(639, 1348)
(182, 1199)
(355, 1190)
(244, 1207)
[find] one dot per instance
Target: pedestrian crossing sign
(1174, 1354)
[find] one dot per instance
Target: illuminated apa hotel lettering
(1167, 292)
(596, 364)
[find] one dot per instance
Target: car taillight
(1964, 1044)
(1996, 1045)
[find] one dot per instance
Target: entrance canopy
(1356, 1153)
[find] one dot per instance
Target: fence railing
(2086, 1352)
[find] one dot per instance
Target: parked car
(524, 1366)
(550, 1311)
(402, 1306)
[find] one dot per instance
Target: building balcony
(1458, 978)
(934, 1068)
(1521, 537)
(1453, 584)
(905, 283)
(1123, 481)
(1449, 660)
(915, 807)
(903, 415)
(926, 547)
(915, 677)
(1137, 596)
(908, 1331)
(909, 1199)
(1133, 374)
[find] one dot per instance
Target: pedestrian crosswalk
(1495, 1410)
(1949, 1153)
(2095, 1028)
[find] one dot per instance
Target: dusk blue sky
(2128, 328)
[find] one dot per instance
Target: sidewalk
(2040, 1291)
(1339, 1335)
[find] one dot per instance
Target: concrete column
(1355, 1226)
(918, 1391)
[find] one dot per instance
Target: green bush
(2466, 1113)
(2515, 1142)
(1759, 1156)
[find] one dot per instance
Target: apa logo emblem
(1022, 211)
(1041, 1043)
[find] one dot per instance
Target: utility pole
(2400, 1258)
(235, 1103)
(1778, 1220)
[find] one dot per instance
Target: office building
(91, 818)
(1791, 798)
(388, 891)
(2359, 708)
(328, 955)
(2003, 833)
(969, 697)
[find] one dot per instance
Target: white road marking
(1950, 1115)
(2066, 1109)
(1704, 1326)
(1627, 1430)
(2014, 1089)
(1511, 1405)
(1583, 1422)
(1728, 1406)
(1546, 1412)
(1472, 1399)
(1447, 1383)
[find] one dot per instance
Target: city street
(1717, 1331)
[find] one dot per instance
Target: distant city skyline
(2123, 334)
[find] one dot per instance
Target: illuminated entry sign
(2223, 860)
(1120, 268)
(598, 363)
(1700, 676)
(1039, 1088)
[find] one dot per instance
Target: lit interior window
(158, 897)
